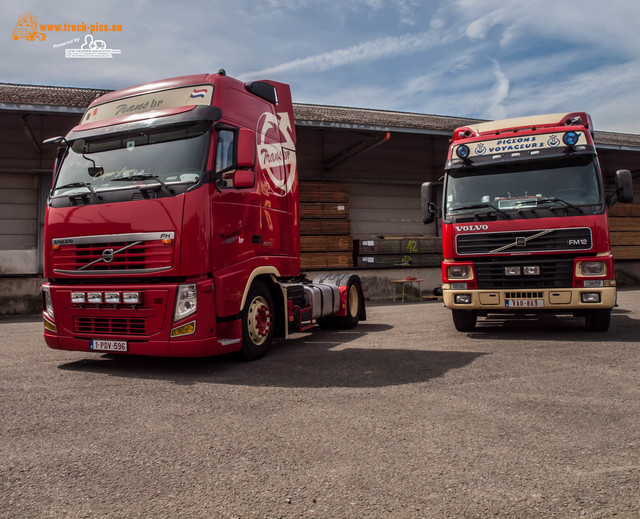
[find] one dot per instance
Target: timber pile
(624, 226)
(325, 227)
(391, 252)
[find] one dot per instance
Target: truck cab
(173, 221)
(524, 221)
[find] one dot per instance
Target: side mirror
(244, 178)
(427, 197)
(624, 186)
(246, 148)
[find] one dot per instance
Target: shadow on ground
(315, 360)
(552, 328)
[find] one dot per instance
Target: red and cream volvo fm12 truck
(172, 228)
(524, 221)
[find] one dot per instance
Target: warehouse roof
(45, 98)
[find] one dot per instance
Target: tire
(598, 320)
(464, 320)
(258, 322)
(355, 305)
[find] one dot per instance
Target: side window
(224, 157)
(224, 151)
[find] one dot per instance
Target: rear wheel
(257, 322)
(464, 320)
(355, 304)
(598, 320)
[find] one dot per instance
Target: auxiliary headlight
(593, 268)
(463, 151)
(186, 301)
(570, 138)
(458, 272)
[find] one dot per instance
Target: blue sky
(484, 59)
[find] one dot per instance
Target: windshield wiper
(560, 200)
(483, 206)
(168, 189)
(79, 184)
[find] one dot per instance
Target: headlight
(46, 300)
(186, 301)
(593, 268)
(458, 272)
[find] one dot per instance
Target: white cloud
(364, 52)
(499, 93)
(475, 58)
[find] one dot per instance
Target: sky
(482, 59)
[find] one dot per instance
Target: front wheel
(598, 320)
(464, 320)
(257, 322)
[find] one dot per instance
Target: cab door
(235, 204)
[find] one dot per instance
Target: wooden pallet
(324, 210)
(326, 243)
(624, 226)
(337, 192)
(326, 260)
(325, 226)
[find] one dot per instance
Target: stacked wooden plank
(624, 226)
(392, 252)
(325, 227)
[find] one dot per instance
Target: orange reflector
(167, 242)
(56, 247)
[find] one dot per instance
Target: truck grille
(554, 273)
(541, 240)
(114, 254)
(109, 325)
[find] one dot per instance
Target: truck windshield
(164, 156)
(504, 189)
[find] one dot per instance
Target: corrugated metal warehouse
(360, 173)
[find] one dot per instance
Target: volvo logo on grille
(521, 241)
(107, 255)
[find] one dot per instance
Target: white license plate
(100, 345)
(524, 303)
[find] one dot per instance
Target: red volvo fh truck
(172, 228)
(524, 221)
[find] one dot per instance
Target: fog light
(531, 271)
(463, 299)
(78, 298)
(512, 271)
(185, 329)
(593, 283)
(113, 298)
(48, 325)
(590, 297)
(131, 298)
(95, 298)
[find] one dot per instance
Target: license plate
(524, 303)
(100, 345)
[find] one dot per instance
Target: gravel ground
(402, 417)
